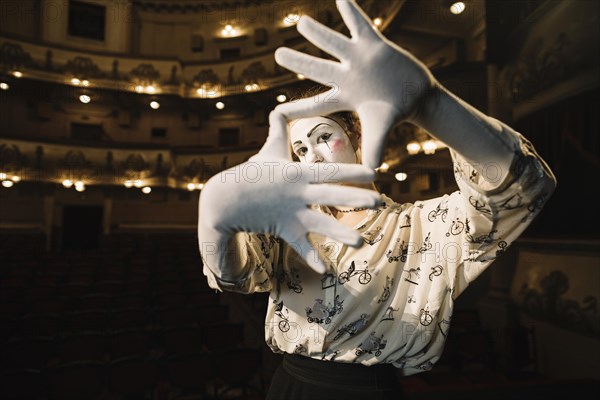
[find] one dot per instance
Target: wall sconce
(457, 7)
(229, 31)
(429, 147)
(401, 176)
(413, 147)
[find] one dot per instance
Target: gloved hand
(271, 194)
(376, 78)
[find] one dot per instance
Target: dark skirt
(303, 378)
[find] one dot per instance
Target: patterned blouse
(391, 300)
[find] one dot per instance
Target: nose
(313, 157)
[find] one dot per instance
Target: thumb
(277, 144)
(376, 119)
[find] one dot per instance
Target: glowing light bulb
(191, 186)
(128, 184)
(457, 7)
(75, 81)
(228, 30)
(4, 86)
(7, 184)
(291, 19)
(84, 98)
(429, 147)
(377, 21)
(137, 183)
(18, 74)
(281, 98)
(155, 105)
(413, 147)
(384, 167)
(146, 189)
(16, 178)
(220, 105)
(401, 176)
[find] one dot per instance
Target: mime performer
(321, 214)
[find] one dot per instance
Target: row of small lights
(80, 186)
(292, 19)
(9, 182)
(230, 31)
(428, 147)
(155, 105)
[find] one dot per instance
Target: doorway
(81, 226)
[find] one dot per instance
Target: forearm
(224, 254)
(227, 259)
(480, 139)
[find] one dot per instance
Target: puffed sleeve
(471, 227)
(257, 254)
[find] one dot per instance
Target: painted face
(320, 139)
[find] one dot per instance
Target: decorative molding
(145, 73)
(553, 57)
(12, 56)
(205, 76)
(254, 73)
(135, 167)
(43, 66)
(75, 166)
(11, 159)
(548, 304)
(83, 67)
(541, 67)
(113, 165)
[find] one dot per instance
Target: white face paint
(320, 139)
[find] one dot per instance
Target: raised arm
(270, 194)
(386, 84)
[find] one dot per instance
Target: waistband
(340, 375)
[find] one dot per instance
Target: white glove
(270, 193)
(382, 82)
(385, 84)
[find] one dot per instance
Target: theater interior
(114, 113)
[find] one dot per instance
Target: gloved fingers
(356, 20)
(322, 104)
(348, 196)
(277, 145)
(327, 226)
(315, 68)
(306, 251)
(376, 119)
(336, 173)
(324, 38)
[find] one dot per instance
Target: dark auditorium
(116, 114)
